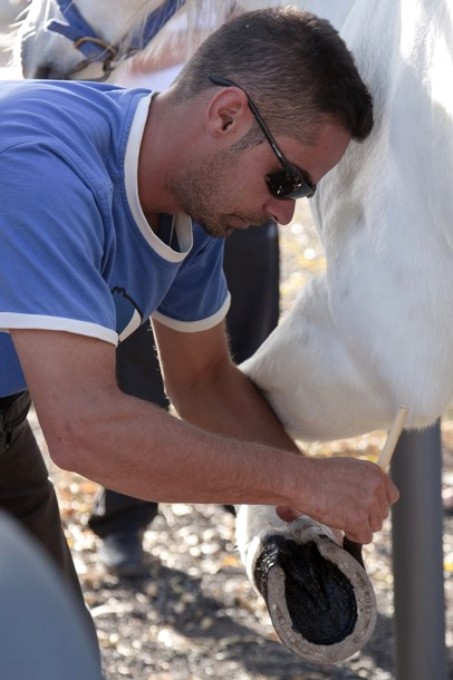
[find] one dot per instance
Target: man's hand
(347, 494)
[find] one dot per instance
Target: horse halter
(95, 48)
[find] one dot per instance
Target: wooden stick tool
(355, 549)
(392, 439)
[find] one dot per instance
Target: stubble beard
(200, 191)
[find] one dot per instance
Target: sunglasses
(291, 182)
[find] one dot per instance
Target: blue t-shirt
(76, 251)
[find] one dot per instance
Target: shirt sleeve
(53, 245)
(198, 298)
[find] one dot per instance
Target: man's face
(227, 190)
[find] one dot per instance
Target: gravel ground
(196, 617)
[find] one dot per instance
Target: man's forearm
(230, 404)
(136, 448)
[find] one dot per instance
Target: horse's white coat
(376, 331)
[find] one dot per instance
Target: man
(251, 262)
(98, 184)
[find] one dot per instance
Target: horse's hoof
(320, 599)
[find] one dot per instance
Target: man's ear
(228, 113)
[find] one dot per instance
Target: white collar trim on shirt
(183, 223)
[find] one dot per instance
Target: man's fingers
(286, 513)
(362, 537)
(391, 491)
(376, 522)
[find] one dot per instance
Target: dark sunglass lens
(283, 185)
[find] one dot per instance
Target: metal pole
(417, 529)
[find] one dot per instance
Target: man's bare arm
(208, 390)
(131, 446)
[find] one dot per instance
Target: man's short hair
(295, 67)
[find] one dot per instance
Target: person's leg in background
(252, 269)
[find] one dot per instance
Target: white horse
(375, 331)
(63, 39)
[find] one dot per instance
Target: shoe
(230, 509)
(122, 553)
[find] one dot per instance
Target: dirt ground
(196, 617)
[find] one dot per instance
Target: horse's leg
(320, 599)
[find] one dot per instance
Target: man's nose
(281, 210)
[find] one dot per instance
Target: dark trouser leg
(137, 367)
(116, 513)
(27, 493)
(252, 270)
